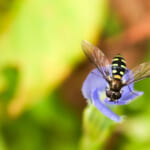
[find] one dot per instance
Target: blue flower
(94, 87)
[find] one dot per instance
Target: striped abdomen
(118, 66)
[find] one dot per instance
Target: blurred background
(42, 68)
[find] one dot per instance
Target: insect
(118, 69)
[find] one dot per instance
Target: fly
(118, 69)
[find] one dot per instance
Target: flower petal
(131, 96)
(128, 94)
(105, 110)
(93, 80)
(128, 74)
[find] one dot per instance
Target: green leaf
(43, 41)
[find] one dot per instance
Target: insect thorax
(118, 67)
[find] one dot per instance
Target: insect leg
(95, 74)
(117, 101)
(131, 90)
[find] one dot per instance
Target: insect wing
(138, 73)
(97, 57)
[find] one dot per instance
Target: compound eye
(109, 93)
(118, 95)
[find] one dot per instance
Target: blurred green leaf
(43, 127)
(44, 42)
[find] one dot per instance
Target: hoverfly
(118, 67)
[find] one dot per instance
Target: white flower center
(102, 95)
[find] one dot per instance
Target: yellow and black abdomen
(118, 66)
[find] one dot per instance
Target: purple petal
(105, 110)
(128, 91)
(126, 76)
(131, 96)
(94, 80)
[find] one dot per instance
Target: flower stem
(96, 129)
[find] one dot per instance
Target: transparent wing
(140, 72)
(97, 57)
